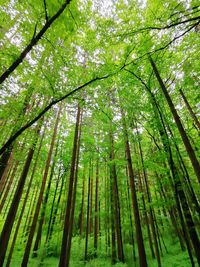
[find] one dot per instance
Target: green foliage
(95, 39)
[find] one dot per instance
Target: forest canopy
(100, 133)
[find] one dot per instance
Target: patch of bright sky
(10, 9)
(10, 88)
(13, 36)
(142, 4)
(106, 8)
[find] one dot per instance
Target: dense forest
(100, 133)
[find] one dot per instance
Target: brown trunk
(37, 209)
(182, 132)
(193, 115)
(146, 219)
(139, 236)
(65, 238)
(24, 205)
(8, 186)
(6, 172)
(113, 229)
(107, 221)
(167, 148)
(29, 217)
(116, 203)
(150, 208)
(88, 214)
(81, 217)
(172, 215)
(91, 205)
(54, 212)
(42, 217)
(186, 177)
(130, 217)
(7, 228)
(59, 177)
(4, 160)
(96, 220)
(73, 196)
(8, 152)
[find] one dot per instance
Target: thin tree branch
(161, 48)
(45, 10)
(73, 18)
(149, 28)
(35, 30)
(54, 102)
(33, 42)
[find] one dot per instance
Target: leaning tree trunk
(7, 228)
(193, 115)
(182, 132)
(24, 204)
(37, 209)
(7, 153)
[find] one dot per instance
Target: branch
(54, 102)
(139, 78)
(163, 47)
(73, 18)
(35, 29)
(45, 10)
(33, 42)
(56, 50)
(149, 28)
(183, 11)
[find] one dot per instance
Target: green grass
(174, 258)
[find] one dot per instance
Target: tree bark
(193, 115)
(116, 203)
(96, 219)
(37, 209)
(7, 228)
(139, 236)
(65, 238)
(88, 214)
(24, 205)
(185, 139)
(74, 195)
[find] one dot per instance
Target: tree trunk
(81, 216)
(150, 208)
(182, 132)
(193, 115)
(139, 236)
(37, 209)
(8, 152)
(116, 203)
(96, 220)
(74, 196)
(7, 228)
(24, 205)
(88, 214)
(65, 238)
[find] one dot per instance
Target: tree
(113, 177)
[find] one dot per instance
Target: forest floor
(174, 258)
